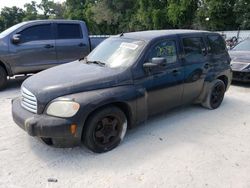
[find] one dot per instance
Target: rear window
(69, 31)
(216, 43)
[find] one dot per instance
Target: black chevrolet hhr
(123, 82)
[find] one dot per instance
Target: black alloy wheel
(105, 129)
(217, 95)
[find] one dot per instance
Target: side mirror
(159, 61)
(156, 63)
(16, 39)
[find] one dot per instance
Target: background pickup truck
(29, 47)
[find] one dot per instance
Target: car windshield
(117, 52)
(243, 46)
(11, 29)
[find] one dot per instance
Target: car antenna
(122, 34)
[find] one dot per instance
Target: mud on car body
(123, 82)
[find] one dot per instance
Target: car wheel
(3, 78)
(105, 129)
(215, 95)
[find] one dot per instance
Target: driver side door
(36, 49)
(164, 85)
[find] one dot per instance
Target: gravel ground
(189, 147)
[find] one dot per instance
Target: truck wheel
(3, 78)
(215, 95)
(105, 129)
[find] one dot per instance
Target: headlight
(63, 108)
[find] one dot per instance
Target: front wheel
(215, 95)
(105, 129)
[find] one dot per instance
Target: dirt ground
(189, 147)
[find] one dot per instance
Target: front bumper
(44, 126)
(241, 76)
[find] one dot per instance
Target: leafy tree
(242, 12)
(216, 15)
(47, 7)
(11, 16)
(152, 14)
(59, 10)
(74, 9)
(31, 12)
(181, 13)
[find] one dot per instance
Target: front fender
(93, 100)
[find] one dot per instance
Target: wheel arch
(4, 66)
(126, 109)
(225, 79)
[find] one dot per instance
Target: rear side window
(69, 31)
(166, 49)
(216, 43)
(37, 32)
(194, 49)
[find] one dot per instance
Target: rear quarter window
(216, 44)
(194, 48)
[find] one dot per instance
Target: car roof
(152, 34)
(54, 21)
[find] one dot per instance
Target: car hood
(240, 60)
(74, 77)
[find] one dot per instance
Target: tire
(3, 78)
(105, 129)
(215, 95)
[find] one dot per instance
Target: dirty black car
(240, 55)
(123, 82)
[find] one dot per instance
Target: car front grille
(29, 101)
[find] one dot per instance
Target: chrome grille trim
(29, 101)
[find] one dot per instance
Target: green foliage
(242, 12)
(31, 11)
(11, 16)
(217, 14)
(116, 16)
(181, 13)
(75, 9)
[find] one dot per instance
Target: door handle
(81, 44)
(175, 72)
(48, 46)
(206, 66)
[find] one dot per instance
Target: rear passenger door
(196, 66)
(70, 44)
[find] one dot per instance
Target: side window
(69, 31)
(194, 49)
(217, 44)
(37, 32)
(166, 49)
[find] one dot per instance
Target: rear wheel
(3, 78)
(215, 95)
(105, 129)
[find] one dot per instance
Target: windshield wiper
(85, 60)
(96, 62)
